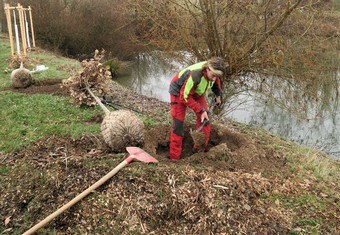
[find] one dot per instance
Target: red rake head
(140, 155)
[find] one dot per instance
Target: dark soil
(241, 185)
(46, 86)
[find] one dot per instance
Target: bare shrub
(95, 75)
(77, 27)
(293, 43)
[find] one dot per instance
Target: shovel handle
(102, 106)
(79, 197)
(202, 125)
(205, 120)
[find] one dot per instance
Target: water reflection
(321, 133)
(151, 77)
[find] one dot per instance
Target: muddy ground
(236, 187)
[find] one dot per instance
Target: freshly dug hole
(198, 138)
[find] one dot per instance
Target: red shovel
(135, 153)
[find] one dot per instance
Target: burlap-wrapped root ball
(122, 128)
(21, 78)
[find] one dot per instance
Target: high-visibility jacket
(193, 81)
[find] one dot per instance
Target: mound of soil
(226, 190)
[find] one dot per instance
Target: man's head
(215, 67)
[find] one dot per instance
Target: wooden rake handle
(79, 197)
(102, 106)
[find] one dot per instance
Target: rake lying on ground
(135, 154)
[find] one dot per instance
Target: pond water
(151, 77)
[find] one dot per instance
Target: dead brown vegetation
(294, 42)
(285, 48)
(76, 28)
(244, 184)
(94, 75)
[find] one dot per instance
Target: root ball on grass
(21, 78)
(122, 128)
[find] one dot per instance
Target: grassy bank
(230, 191)
(26, 118)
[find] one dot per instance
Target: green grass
(299, 201)
(299, 157)
(58, 66)
(299, 204)
(4, 170)
(308, 222)
(27, 118)
(336, 5)
(31, 117)
(5, 55)
(148, 121)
